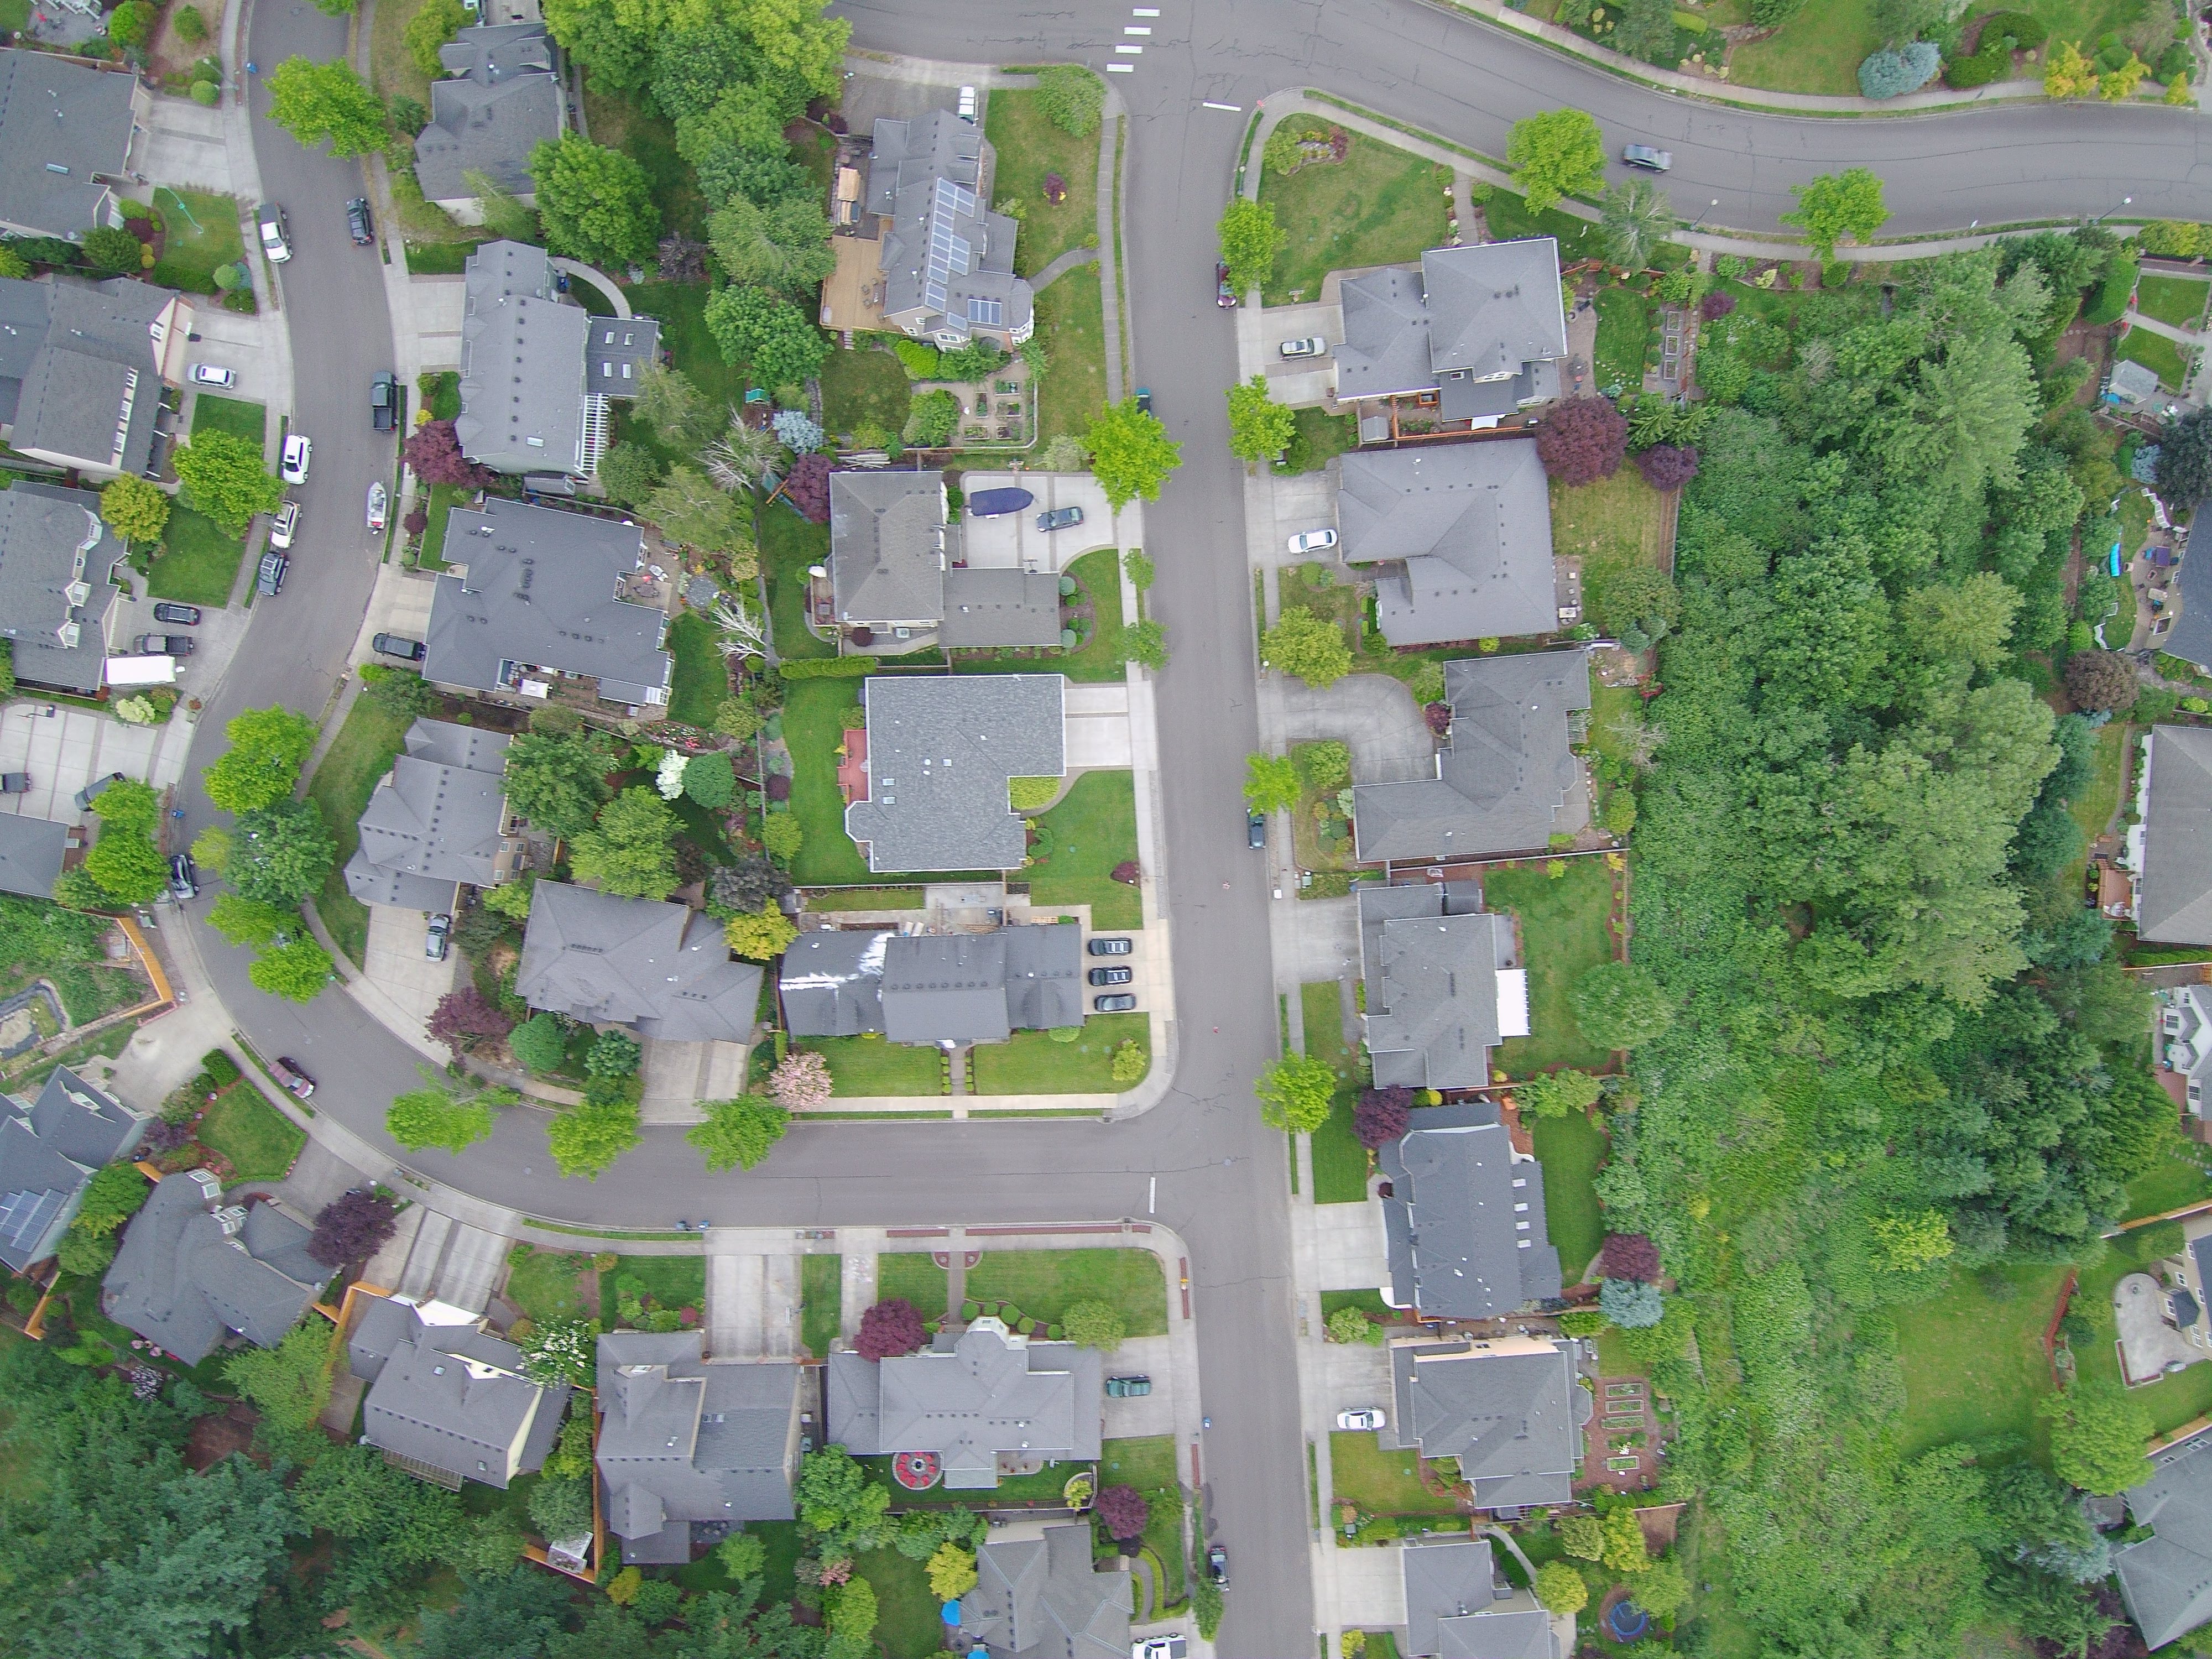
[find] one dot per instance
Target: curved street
(1222, 1178)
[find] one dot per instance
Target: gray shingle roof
(2174, 900)
(50, 1147)
(1513, 1418)
(1506, 781)
(968, 1397)
(30, 853)
(1385, 348)
(1465, 1220)
(1042, 1597)
(522, 366)
(491, 52)
(980, 987)
(1000, 607)
(2167, 1579)
(684, 1439)
(539, 595)
(888, 538)
(181, 1277)
(1494, 306)
(79, 376)
(620, 350)
(1451, 1606)
(1465, 532)
(489, 128)
(57, 565)
(940, 750)
(658, 967)
(453, 1397)
(1432, 968)
(832, 983)
(947, 259)
(61, 123)
(2191, 638)
(433, 820)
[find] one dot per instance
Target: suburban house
(31, 853)
(1041, 1598)
(501, 98)
(2171, 849)
(683, 1439)
(57, 586)
(940, 751)
(437, 818)
(52, 1145)
(2165, 1580)
(1457, 538)
(2185, 1048)
(66, 132)
(939, 988)
(896, 570)
(1457, 1606)
(449, 1402)
(1464, 1222)
(536, 595)
(83, 366)
(1506, 780)
(981, 1399)
(531, 401)
(662, 969)
(948, 261)
(1444, 985)
(1508, 1409)
(1480, 328)
(189, 1272)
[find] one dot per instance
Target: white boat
(376, 502)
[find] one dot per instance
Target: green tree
(562, 1508)
(1582, 1536)
(250, 921)
(127, 25)
(280, 853)
(1560, 1589)
(630, 852)
(1260, 430)
(838, 1503)
(670, 402)
(1619, 1004)
(585, 1139)
(952, 1571)
(1913, 1243)
(431, 1116)
(1131, 453)
(1310, 647)
(1250, 240)
(1661, 1590)
(691, 511)
(2097, 1434)
(760, 935)
(127, 804)
(1295, 1093)
(556, 781)
(289, 1384)
(1634, 218)
(596, 203)
(1559, 153)
(784, 246)
(262, 765)
(1326, 766)
(774, 336)
(540, 1043)
(738, 1133)
(1837, 204)
(436, 22)
(127, 864)
(1556, 1094)
(1271, 782)
(224, 479)
(112, 1197)
(782, 835)
(1073, 97)
(314, 101)
(135, 509)
(1352, 1325)
(852, 1613)
(629, 472)
(710, 779)
(1093, 1324)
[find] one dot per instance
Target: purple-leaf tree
(1382, 1116)
(1715, 306)
(1123, 1509)
(352, 1227)
(1581, 441)
(434, 452)
(1667, 466)
(1629, 1255)
(889, 1328)
(464, 1017)
(807, 487)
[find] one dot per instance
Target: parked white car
(1313, 541)
(1361, 1417)
(286, 526)
(297, 450)
(1312, 346)
(208, 374)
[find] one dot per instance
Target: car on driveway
(183, 880)
(1224, 296)
(271, 579)
(291, 1079)
(1059, 518)
(1645, 157)
(165, 645)
(208, 374)
(1112, 975)
(182, 616)
(1110, 947)
(1313, 541)
(1217, 1565)
(1361, 1417)
(1119, 1003)
(1171, 1646)
(359, 225)
(384, 401)
(391, 645)
(434, 940)
(93, 791)
(1128, 1387)
(274, 242)
(297, 453)
(1312, 346)
(285, 525)
(1255, 831)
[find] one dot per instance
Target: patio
(2151, 1344)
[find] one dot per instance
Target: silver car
(1312, 346)
(1650, 160)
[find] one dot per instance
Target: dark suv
(358, 224)
(384, 402)
(273, 567)
(165, 645)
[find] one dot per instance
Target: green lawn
(1340, 1162)
(2157, 353)
(1624, 326)
(2175, 1181)
(815, 713)
(200, 563)
(1562, 937)
(444, 498)
(1093, 829)
(547, 1284)
(674, 1281)
(1386, 1483)
(1150, 1465)
(1509, 219)
(865, 388)
(867, 898)
(909, 1623)
(789, 543)
(1031, 1063)
(682, 308)
(1369, 1302)
(1098, 579)
(1319, 438)
(2171, 1401)
(871, 1066)
(232, 415)
(1042, 1284)
(701, 679)
(2095, 809)
(259, 1141)
(1974, 1365)
(200, 232)
(821, 1297)
(446, 257)
(1030, 147)
(1571, 1148)
(779, 1580)
(1818, 50)
(2176, 300)
(1072, 322)
(1610, 525)
(1378, 206)
(366, 744)
(911, 1275)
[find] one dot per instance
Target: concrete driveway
(240, 344)
(396, 966)
(1012, 541)
(1095, 722)
(1376, 716)
(65, 751)
(678, 1076)
(1302, 501)
(1299, 381)
(401, 606)
(1151, 1413)
(186, 147)
(216, 640)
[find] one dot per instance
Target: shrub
(2100, 680)
(1889, 74)
(1382, 1116)
(889, 1328)
(1630, 1255)
(539, 1043)
(1351, 1325)
(1631, 1303)
(919, 358)
(352, 1227)
(1993, 62)
(1123, 1509)
(1667, 466)
(1581, 441)
(190, 24)
(1073, 97)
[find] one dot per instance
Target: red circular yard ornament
(916, 1471)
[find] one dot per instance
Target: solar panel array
(993, 312)
(948, 250)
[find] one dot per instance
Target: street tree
(262, 765)
(1271, 782)
(1619, 1004)
(596, 203)
(224, 479)
(784, 246)
(127, 864)
(249, 922)
(316, 101)
(890, 1328)
(135, 509)
(585, 1139)
(1260, 428)
(1634, 218)
(778, 340)
(1559, 153)
(432, 1116)
(1131, 453)
(1294, 1094)
(738, 1133)
(1250, 240)
(1146, 642)
(1837, 204)
(280, 853)
(1311, 648)
(557, 780)
(629, 851)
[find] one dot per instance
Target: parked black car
(1119, 1003)
(391, 645)
(273, 567)
(384, 402)
(1112, 975)
(1110, 947)
(358, 223)
(180, 616)
(1217, 1565)
(93, 791)
(165, 645)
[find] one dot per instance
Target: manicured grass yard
(1571, 1148)
(1610, 525)
(1387, 1483)
(2156, 353)
(1030, 147)
(547, 1284)
(815, 716)
(911, 1275)
(200, 563)
(2175, 1180)
(1031, 1063)
(2176, 300)
(1508, 217)
(199, 232)
(2095, 809)
(444, 498)
(1973, 1363)
(1378, 206)
(701, 681)
(1093, 829)
(1043, 1283)
(674, 1281)
(1369, 1302)
(778, 1579)
(246, 420)
(822, 1300)
(870, 1066)
(1819, 49)
(867, 898)
(1149, 1465)
(865, 388)
(1562, 937)
(259, 1140)
(1624, 327)
(789, 543)
(441, 393)
(1340, 1162)
(365, 748)
(1072, 322)
(682, 308)
(909, 1621)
